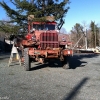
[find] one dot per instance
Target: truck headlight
(33, 38)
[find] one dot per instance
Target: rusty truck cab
(42, 43)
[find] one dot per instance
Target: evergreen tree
(77, 31)
(39, 8)
(94, 34)
(8, 28)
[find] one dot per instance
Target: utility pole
(99, 36)
(85, 38)
(85, 33)
(95, 35)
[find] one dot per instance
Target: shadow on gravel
(4, 56)
(74, 62)
(85, 55)
(54, 64)
(37, 67)
(75, 91)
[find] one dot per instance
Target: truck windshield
(49, 27)
(44, 26)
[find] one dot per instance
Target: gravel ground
(80, 82)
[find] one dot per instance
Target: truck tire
(26, 60)
(66, 61)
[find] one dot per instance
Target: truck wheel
(26, 60)
(65, 63)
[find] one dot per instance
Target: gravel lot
(80, 82)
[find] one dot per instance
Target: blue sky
(80, 11)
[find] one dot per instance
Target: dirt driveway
(80, 82)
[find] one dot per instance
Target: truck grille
(49, 39)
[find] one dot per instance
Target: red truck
(44, 43)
